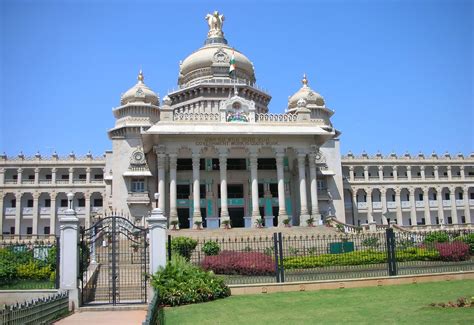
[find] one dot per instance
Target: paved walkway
(116, 317)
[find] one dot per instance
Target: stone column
(422, 172)
(173, 209)
(351, 173)
(52, 215)
(53, 175)
(303, 197)
(68, 268)
(461, 171)
(2, 176)
(409, 173)
(35, 212)
(370, 216)
(467, 209)
(426, 201)
(450, 173)
(88, 175)
(398, 202)
(157, 232)
(383, 192)
(313, 171)
(196, 190)
(454, 211)
(2, 214)
(87, 199)
(439, 196)
(161, 159)
(436, 172)
(254, 181)
(223, 153)
(18, 213)
(366, 173)
(395, 173)
(20, 175)
(71, 175)
(354, 204)
(412, 207)
(282, 214)
(37, 170)
(380, 169)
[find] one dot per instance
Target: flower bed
(241, 263)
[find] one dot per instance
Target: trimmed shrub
(437, 237)
(371, 242)
(455, 251)
(181, 283)
(468, 239)
(34, 271)
(183, 246)
(211, 248)
(242, 263)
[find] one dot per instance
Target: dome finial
(140, 76)
(304, 80)
(215, 22)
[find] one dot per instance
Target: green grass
(28, 284)
(399, 304)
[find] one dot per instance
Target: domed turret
(213, 59)
(307, 94)
(140, 93)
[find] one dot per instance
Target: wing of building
(218, 157)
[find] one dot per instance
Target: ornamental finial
(140, 76)
(304, 80)
(215, 22)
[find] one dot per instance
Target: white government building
(216, 154)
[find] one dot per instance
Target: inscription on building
(238, 141)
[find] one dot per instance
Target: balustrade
(406, 204)
(276, 118)
(446, 203)
(433, 203)
(391, 204)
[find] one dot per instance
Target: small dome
(139, 93)
(307, 94)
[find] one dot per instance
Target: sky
(398, 74)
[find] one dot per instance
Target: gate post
(391, 254)
(157, 231)
(68, 268)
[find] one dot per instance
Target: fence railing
(155, 314)
(289, 258)
(36, 311)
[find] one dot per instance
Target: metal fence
(155, 314)
(37, 311)
(29, 264)
(290, 258)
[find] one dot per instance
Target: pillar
(366, 173)
(395, 173)
(173, 210)
(71, 175)
(18, 213)
(380, 170)
(354, 205)
(37, 170)
(20, 175)
(68, 268)
(87, 199)
(412, 207)
(422, 172)
(436, 172)
(2, 195)
(52, 215)
(35, 212)
(370, 217)
(2, 176)
(467, 210)
(223, 153)
(314, 189)
(196, 191)
(439, 196)
(254, 182)
(53, 175)
(282, 214)
(161, 158)
(454, 211)
(88, 175)
(383, 192)
(426, 202)
(157, 236)
(409, 173)
(303, 197)
(351, 173)
(450, 173)
(399, 205)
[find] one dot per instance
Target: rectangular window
(236, 164)
(420, 196)
(63, 203)
(31, 177)
(29, 203)
(202, 191)
(12, 230)
(446, 196)
(183, 191)
(65, 177)
(472, 196)
(29, 230)
(215, 164)
(47, 203)
(184, 164)
(49, 177)
(46, 230)
(274, 189)
(82, 176)
(235, 191)
(15, 177)
(138, 185)
(261, 191)
(13, 203)
(267, 163)
(321, 185)
(99, 177)
(97, 202)
(460, 196)
(435, 197)
(81, 203)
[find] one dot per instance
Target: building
(217, 155)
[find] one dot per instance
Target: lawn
(400, 304)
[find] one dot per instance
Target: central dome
(213, 60)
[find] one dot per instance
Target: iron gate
(113, 262)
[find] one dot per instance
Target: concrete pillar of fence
(68, 262)
(157, 231)
(372, 226)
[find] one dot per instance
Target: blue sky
(399, 74)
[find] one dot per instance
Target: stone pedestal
(68, 262)
(372, 226)
(157, 232)
(269, 221)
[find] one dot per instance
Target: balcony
(79, 181)
(471, 202)
(406, 204)
(433, 203)
(377, 205)
(391, 205)
(10, 181)
(138, 198)
(361, 205)
(97, 210)
(446, 203)
(10, 211)
(459, 203)
(62, 181)
(27, 211)
(28, 181)
(97, 181)
(419, 204)
(44, 210)
(45, 181)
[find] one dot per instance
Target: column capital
(397, 191)
(36, 195)
(426, 190)
(435, 167)
(2, 195)
(18, 195)
(408, 167)
(411, 190)
(223, 151)
(461, 167)
(20, 170)
(88, 170)
(439, 190)
(448, 167)
(279, 151)
(2, 170)
(368, 189)
(53, 195)
(54, 170)
(37, 170)
(383, 190)
(351, 168)
(395, 167)
(71, 169)
(301, 152)
(422, 167)
(380, 168)
(366, 168)
(159, 150)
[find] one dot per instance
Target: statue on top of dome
(215, 22)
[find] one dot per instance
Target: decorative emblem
(220, 56)
(215, 22)
(301, 102)
(138, 157)
(139, 93)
